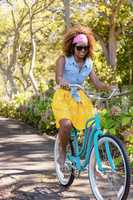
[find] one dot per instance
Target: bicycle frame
(91, 136)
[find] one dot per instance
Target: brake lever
(114, 92)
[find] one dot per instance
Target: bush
(119, 123)
(37, 112)
(116, 121)
(8, 109)
(34, 110)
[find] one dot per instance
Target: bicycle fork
(97, 154)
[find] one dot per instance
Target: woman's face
(80, 50)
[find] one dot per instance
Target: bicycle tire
(62, 181)
(96, 177)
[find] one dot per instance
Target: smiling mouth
(82, 53)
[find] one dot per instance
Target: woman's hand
(112, 87)
(100, 85)
(63, 84)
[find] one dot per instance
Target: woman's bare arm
(97, 83)
(59, 68)
(60, 63)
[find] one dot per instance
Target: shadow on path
(27, 170)
(47, 193)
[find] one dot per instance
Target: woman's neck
(78, 60)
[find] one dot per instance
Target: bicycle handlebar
(115, 92)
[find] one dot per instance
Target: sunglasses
(79, 48)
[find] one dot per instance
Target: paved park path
(27, 169)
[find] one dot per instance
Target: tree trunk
(67, 14)
(130, 75)
(12, 84)
(109, 45)
(112, 46)
(33, 44)
(32, 65)
(130, 69)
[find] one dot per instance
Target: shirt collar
(86, 64)
(72, 60)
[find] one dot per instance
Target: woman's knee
(66, 125)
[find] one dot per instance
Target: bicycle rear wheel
(109, 185)
(66, 176)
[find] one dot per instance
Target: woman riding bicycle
(72, 107)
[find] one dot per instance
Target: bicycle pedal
(69, 163)
(76, 173)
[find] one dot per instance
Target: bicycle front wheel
(109, 184)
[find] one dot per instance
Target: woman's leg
(64, 135)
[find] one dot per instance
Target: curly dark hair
(69, 36)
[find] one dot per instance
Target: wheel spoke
(110, 184)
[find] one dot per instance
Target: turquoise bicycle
(105, 156)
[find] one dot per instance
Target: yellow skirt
(65, 107)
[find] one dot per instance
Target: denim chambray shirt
(74, 75)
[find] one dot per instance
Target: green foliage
(119, 123)
(104, 72)
(48, 27)
(37, 111)
(8, 109)
(119, 115)
(21, 98)
(116, 121)
(125, 61)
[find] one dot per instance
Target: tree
(111, 14)
(33, 45)
(67, 13)
(13, 42)
(107, 19)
